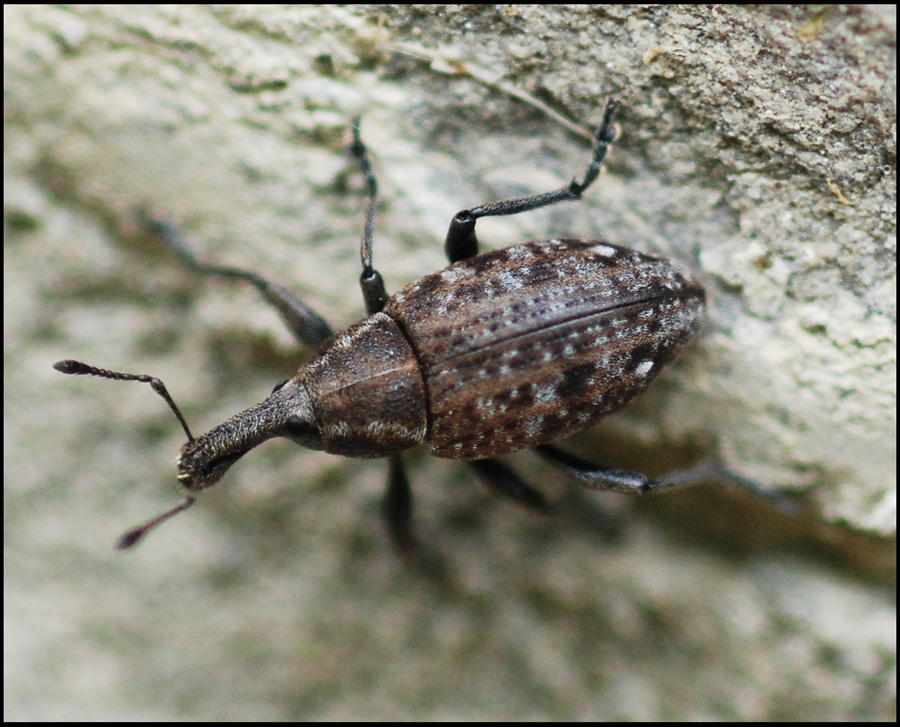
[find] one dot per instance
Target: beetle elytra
(501, 351)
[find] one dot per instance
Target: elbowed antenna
(132, 537)
(76, 368)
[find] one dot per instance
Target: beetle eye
(301, 431)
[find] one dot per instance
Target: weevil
(500, 351)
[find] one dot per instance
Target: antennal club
(132, 537)
(77, 368)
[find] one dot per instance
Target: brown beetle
(500, 351)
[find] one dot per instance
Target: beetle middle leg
(397, 505)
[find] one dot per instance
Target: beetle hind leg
(500, 478)
(461, 242)
(573, 507)
(603, 478)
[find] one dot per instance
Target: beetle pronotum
(501, 351)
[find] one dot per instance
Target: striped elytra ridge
(528, 344)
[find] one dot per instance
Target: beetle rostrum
(500, 351)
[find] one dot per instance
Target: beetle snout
(287, 412)
(197, 472)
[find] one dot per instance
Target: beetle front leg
(396, 512)
(396, 508)
(307, 326)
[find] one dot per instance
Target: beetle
(500, 351)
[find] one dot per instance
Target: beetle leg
(502, 479)
(307, 326)
(461, 242)
(370, 280)
(396, 508)
(604, 478)
(396, 512)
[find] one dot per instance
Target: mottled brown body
(526, 345)
(500, 352)
(366, 389)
